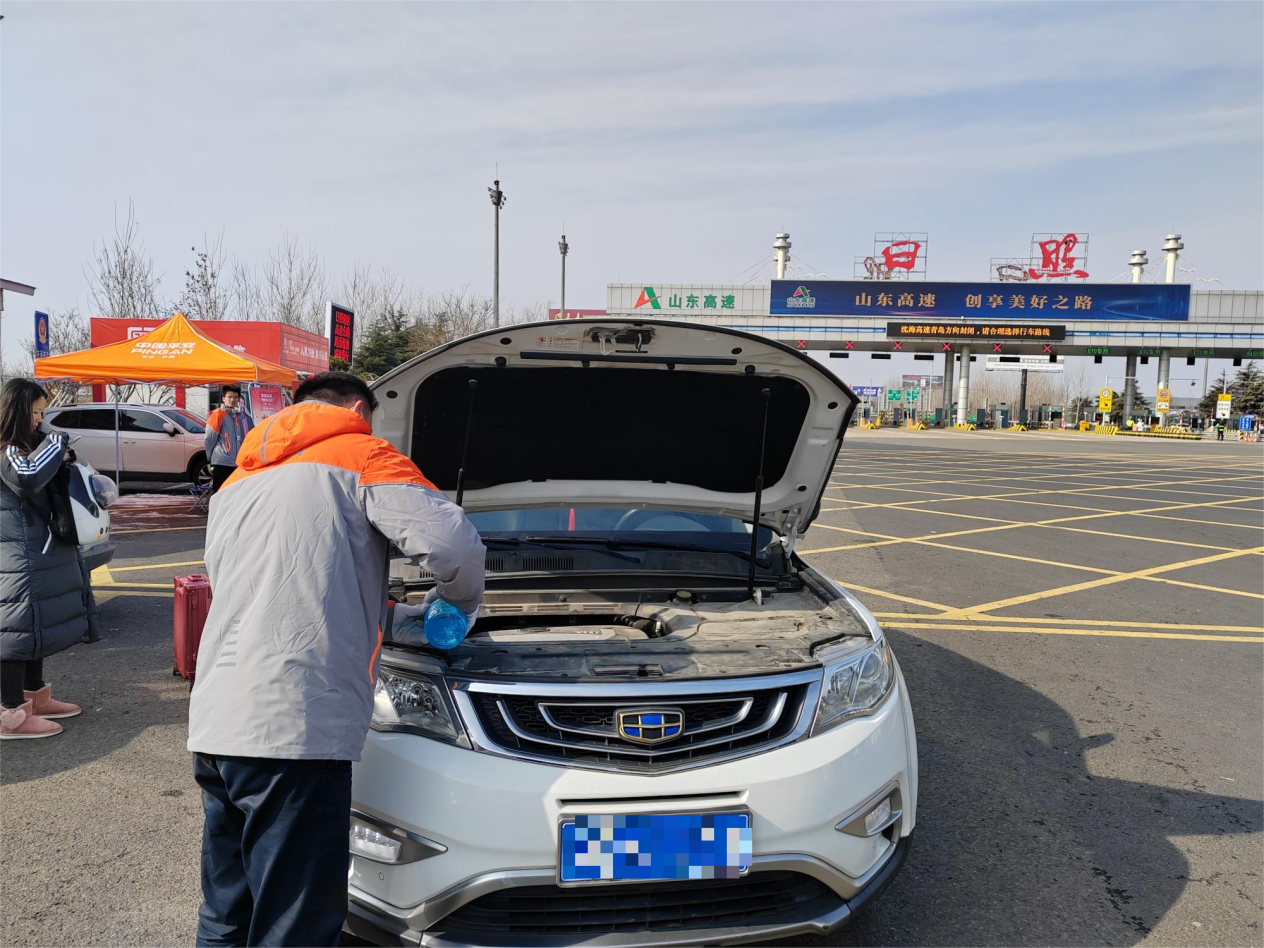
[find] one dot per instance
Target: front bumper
(368, 924)
(497, 818)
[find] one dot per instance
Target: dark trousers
(219, 474)
(274, 850)
(16, 676)
(1219, 434)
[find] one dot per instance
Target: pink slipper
(20, 722)
(46, 706)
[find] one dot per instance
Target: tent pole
(118, 454)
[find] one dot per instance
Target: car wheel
(199, 471)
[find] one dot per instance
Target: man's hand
(409, 613)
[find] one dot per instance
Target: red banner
(273, 341)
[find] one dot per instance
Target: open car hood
(613, 412)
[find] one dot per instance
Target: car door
(91, 431)
(148, 448)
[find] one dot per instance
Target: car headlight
(410, 701)
(855, 685)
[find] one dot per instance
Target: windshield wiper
(613, 543)
(548, 543)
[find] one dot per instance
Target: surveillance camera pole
(498, 201)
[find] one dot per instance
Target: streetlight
(564, 248)
(498, 201)
(13, 286)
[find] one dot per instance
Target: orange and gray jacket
(296, 551)
(225, 433)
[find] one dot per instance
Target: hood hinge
(792, 529)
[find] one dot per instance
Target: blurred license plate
(654, 847)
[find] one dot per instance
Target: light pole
(12, 286)
(564, 248)
(498, 201)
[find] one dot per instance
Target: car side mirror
(169, 428)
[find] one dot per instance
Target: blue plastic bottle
(445, 624)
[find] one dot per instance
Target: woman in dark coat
(44, 604)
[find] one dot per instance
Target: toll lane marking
(101, 575)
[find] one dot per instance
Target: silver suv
(665, 727)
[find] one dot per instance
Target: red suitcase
(192, 603)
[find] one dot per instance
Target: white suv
(665, 727)
(155, 442)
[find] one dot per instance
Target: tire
(198, 471)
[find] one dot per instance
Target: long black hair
(16, 404)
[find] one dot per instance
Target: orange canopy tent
(172, 352)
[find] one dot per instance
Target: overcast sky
(674, 139)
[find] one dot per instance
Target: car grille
(583, 732)
(640, 907)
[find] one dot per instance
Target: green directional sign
(913, 394)
(895, 394)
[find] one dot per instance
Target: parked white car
(665, 727)
(156, 442)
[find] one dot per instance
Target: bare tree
(206, 294)
(246, 292)
(121, 280)
(451, 316)
(373, 296)
(294, 285)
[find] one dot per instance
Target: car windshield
(636, 526)
(186, 420)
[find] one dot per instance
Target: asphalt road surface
(1080, 620)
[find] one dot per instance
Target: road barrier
(1161, 433)
(871, 425)
(963, 426)
(1106, 430)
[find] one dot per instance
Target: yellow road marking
(101, 576)
(1105, 581)
(1204, 588)
(1107, 633)
(199, 526)
(1042, 620)
(123, 591)
(127, 569)
(898, 598)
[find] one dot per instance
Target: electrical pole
(564, 248)
(498, 201)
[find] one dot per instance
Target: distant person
(1220, 428)
(297, 552)
(44, 601)
(226, 428)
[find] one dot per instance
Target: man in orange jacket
(226, 428)
(296, 549)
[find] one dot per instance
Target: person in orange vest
(226, 428)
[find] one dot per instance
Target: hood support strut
(465, 447)
(759, 494)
